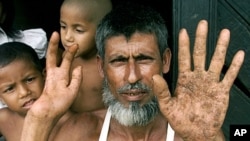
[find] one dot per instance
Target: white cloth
(2, 105)
(105, 129)
(36, 38)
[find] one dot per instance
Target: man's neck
(155, 130)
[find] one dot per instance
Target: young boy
(21, 84)
(78, 21)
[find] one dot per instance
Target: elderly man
(133, 55)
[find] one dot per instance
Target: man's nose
(133, 72)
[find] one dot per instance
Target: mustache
(136, 86)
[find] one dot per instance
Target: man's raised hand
(200, 102)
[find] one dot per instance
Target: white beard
(133, 115)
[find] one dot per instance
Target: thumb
(161, 90)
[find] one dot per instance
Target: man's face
(129, 63)
(128, 67)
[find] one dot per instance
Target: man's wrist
(37, 128)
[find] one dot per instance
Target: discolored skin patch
(199, 105)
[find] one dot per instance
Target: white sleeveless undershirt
(105, 129)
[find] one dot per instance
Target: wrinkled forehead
(137, 43)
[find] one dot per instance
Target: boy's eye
(79, 31)
(29, 80)
(62, 26)
(9, 89)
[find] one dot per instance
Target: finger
(52, 50)
(184, 58)
(234, 68)
(199, 53)
(218, 58)
(161, 90)
(68, 57)
(76, 79)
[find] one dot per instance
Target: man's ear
(100, 65)
(166, 59)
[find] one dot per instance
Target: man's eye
(144, 58)
(119, 60)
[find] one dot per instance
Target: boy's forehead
(19, 64)
(91, 9)
(91, 6)
(75, 11)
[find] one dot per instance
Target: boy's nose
(24, 91)
(68, 36)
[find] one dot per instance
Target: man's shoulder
(96, 115)
(88, 119)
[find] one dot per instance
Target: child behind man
(21, 84)
(78, 21)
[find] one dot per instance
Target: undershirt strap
(105, 126)
(105, 129)
(170, 133)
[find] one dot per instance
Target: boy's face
(20, 85)
(76, 28)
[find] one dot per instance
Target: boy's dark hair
(128, 19)
(12, 51)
